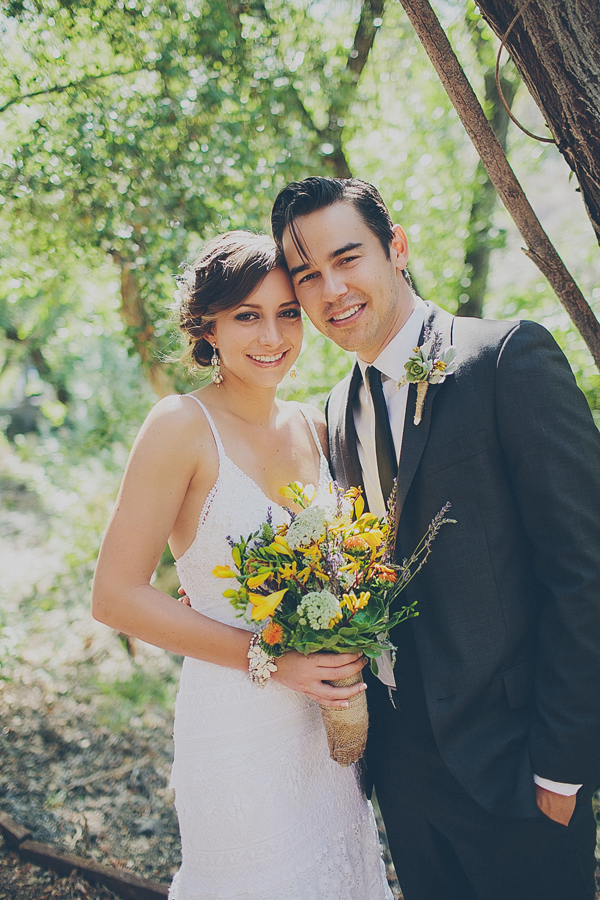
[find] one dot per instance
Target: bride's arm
(163, 470)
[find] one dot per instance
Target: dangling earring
(215, 362)
(294, 372)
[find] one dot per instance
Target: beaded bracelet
(261, 665)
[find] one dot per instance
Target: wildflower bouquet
(326, 582)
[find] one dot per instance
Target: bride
(264, 813)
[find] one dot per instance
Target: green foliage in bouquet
(327, 581)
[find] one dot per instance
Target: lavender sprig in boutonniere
(429, 364)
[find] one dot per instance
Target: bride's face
(260, 340)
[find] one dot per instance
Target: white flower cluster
(319, 608)
(308, 526)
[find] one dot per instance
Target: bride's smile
(260, 340)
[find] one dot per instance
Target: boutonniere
(429, 364)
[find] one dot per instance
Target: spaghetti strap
(213, 427)
(313, 431)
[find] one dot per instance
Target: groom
(484, 742)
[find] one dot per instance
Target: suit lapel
(415, 436)
(345, 434)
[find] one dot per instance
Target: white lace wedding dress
(264, 813)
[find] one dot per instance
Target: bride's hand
(183, 597)
(308, 674)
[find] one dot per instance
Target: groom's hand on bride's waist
(309, 675)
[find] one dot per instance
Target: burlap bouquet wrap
(347, 727)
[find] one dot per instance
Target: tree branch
(364, 38)
(60, 88)
(539, 247)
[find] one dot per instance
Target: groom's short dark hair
(303, 197)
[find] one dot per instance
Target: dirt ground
(24, 881)
(83, 788)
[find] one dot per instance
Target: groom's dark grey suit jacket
(508, 636)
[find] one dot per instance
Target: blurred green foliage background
(132, 131)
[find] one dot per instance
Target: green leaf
(348, 631)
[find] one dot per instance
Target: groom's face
(346, 284)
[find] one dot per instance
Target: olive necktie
(387, 463)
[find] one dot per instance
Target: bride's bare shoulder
(177, 407)
(177, 416)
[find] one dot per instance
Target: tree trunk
(479, 244)
(555, 45)
(140, 330)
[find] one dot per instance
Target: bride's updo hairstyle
(229, 268)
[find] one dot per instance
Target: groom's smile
(349, 288)
(347, 313)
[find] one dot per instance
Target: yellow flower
(288, 491)
(355, 603)
(313, 551)
(359, 505)
(300, 493)
(303, 574)
(265, 606)
(320, 573)
(288, 571)
(338, 616)
(256, 580)
(223, 572)
(280, 545)
(366, 520)
(373, 538)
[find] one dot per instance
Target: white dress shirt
(390, 363)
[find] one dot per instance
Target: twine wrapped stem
(347, 727)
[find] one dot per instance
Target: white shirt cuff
(557, 787)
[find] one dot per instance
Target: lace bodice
(235, 506)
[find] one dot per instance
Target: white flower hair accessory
(429, 364)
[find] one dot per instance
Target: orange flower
(384, 573)
(272, 633)
(356, 542)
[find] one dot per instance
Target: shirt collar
(390, 361)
